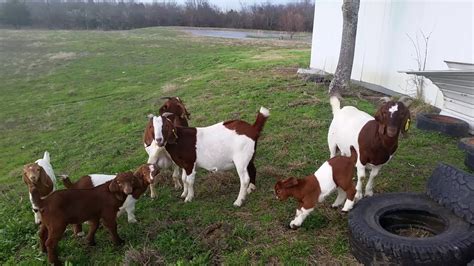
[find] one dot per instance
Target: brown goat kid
(144, 176)
(75, 206)
(334, 173)
(158, 155)
(39, 175)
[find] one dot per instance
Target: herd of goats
(365, 142)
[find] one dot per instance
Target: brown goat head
(34, 173)
(176, 106)
(147, 172)
(282, 185)
(123, 183)
(393, 117)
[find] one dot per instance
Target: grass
(84, 97)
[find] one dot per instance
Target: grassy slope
(84, 96)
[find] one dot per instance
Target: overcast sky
(235, 4)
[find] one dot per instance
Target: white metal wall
(383, 47)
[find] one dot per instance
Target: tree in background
(15, 13)
(292, 22)
(342, 76)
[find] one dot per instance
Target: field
(84, 97)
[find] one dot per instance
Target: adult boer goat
(158, 155)
(375, 139)
(222, 146)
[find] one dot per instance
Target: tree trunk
(342, 76)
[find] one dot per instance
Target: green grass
(84, 97)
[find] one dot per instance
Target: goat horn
(166, 97)
(406, 100)
(385, 99)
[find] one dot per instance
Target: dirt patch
(143, 256)
(218, 183)
(169, 88)
(214, 236)
(63, 56)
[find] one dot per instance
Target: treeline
(54, 14)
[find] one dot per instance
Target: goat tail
(335, 104)
(262, 117)
(353, 154)
(46, 156)
(66, 181)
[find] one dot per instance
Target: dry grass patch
(63, 56)
(169, 88)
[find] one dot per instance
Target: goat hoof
(369, 193)
(183, 195)
(80, 234)
(132, 221)
(293, 226)
(251, 188)
(91, 243)
(358, 196)
(237, 203)
(334, 206)
(188, 199)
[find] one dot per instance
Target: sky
(235, 4)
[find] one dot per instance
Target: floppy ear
(290, 182)
(406, 123)
(184, 111)
(113, 187)
(43, 177)
(380, 119)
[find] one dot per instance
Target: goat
(335, 173)
(375, 139)
(222, 146)
(144, 176)
(75, 206)
(158, 155)
(40, 175)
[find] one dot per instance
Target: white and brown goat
(39, 175)
(158, 155)
(375, 139)
(335, 173)
(144, 176)
(222, 146)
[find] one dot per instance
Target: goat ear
(113, 187)
(381, 123)
(184, 111)
(43, 177)
(290, 182)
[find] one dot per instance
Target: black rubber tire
(457, 128)
(371, 244)
(464, 145)
(469, 160)
(454, 189)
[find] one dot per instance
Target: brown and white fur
(40, 175)
(144, 177)
(75, 206)
(334, 173)
(158, 155)
(223, 146)
(375, 139)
